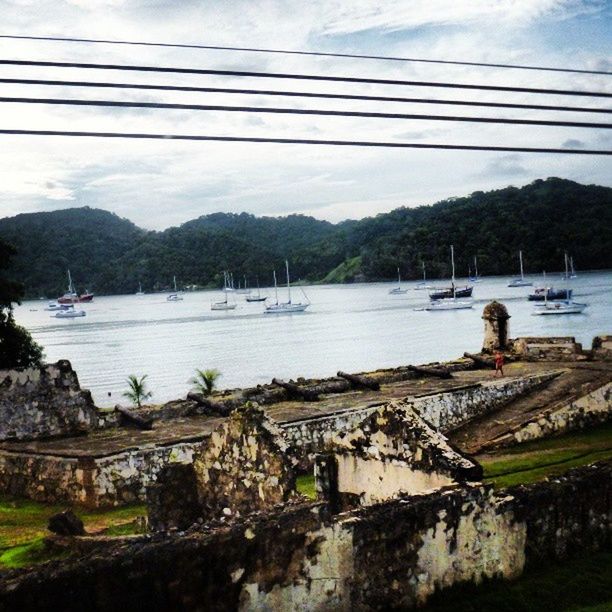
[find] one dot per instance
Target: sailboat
(423, 284)
(176, 296)
(567, 306)
(245, 289)
(475, 278)
(548, 293)
(520, 282)
(572, 273)
(397, 290)
(454, 303)
(224, 304)
(258, 297)
(72, 297)
(140, 291)
(288, 306)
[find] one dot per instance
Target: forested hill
(107, 254)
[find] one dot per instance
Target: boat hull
(517, 282)
(449, 305)
(285, 308)
(448, 293)
(223, 306)
(559, 308)
(550, 295)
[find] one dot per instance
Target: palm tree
(137, 392)
(205, 381)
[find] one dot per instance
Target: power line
(302, 94)
(302, 111)
(305, 53)
(307, 77)
(302, 141)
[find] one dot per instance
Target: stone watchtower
(495, 318)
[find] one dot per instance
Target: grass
(344, 272)
(579, 585)
(306, 486)
(533, 461)
(23, 524)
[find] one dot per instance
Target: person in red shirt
(499, 363)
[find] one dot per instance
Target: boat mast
(288, 283)
(521, 260)
(423, 264)
(453, 268)
(175, 290)
(475, 267)
(275, 286)
(399, 279)
(70, 287)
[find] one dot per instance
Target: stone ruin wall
(123, 478)
(93, 482)
(589, 410)
(391, 555)
(446, 411)
(44, 402)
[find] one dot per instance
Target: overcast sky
(157, 184)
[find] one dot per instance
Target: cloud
(573, 143)
(506, 166)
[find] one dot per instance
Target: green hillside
(108, 254)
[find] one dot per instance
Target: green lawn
(527, 463)
(23, 524)
(583, 584)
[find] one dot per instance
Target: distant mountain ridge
(108, 254)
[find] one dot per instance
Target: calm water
(348, 327)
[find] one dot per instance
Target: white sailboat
(572, 273)
(397, 290)
(423, 284)
(245, 289)
(520, 282)
(224, 304)
(561, 306)
(288, 306)
(175, 296)
(450, 303)
(140, 291)
(475, 278)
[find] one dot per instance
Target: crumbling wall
(392, 453)
(446, 411)
(44, 402)
(589, 410)
(388, 556)
(95, 482)
(561, 348)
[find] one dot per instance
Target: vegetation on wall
(107, 254)
(17, 348)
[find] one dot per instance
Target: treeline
(107, 254)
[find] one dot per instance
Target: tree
(205, 381)
(137, 392)
(17, 348)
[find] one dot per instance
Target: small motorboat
(69, 312)
(451, 304)
(53, 306)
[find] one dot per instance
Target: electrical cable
(305, 53)
(301, 141)
(303, 111)
(301, 94)
(307, 77)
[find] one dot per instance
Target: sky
(157, 184)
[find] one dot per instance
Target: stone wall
(388, 556)
(392, 453)
(44, 402)
(561, 348)
(445, 411)
(92, 481)
(586, 411)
